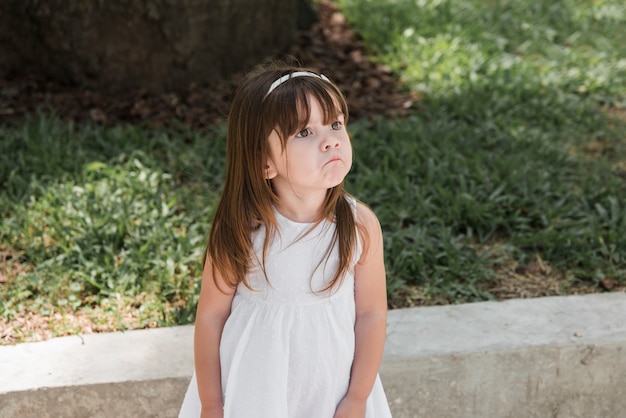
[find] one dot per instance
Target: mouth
(334, 159)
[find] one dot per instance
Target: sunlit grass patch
(111, 221)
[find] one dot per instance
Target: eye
(304, 133)
(335, 126)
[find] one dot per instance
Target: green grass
(496, 168)
(442, 190)
(118, 214)
(513, 92)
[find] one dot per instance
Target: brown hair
(247, 200)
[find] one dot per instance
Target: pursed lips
(333, 159)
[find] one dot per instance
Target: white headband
(292, 75)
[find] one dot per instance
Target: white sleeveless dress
(286, 352)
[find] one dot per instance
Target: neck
(305, 209)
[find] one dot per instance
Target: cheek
(276, 144)
(349, 151)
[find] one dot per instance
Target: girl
(292, 312)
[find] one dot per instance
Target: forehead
(320, 103)
(314, 109)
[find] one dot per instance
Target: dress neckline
(280, 216)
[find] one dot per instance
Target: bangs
(297, 94)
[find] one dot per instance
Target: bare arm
(371, 318)
(213, 311)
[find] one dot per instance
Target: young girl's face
(315, 159)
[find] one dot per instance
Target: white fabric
(286, 352)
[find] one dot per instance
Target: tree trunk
(114, 46)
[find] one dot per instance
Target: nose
(329, 143)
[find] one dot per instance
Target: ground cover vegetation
(508, 180)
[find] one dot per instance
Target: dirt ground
(329, 46)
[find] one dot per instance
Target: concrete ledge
(159, 398)
(548, 357)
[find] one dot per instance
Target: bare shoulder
(366, 217)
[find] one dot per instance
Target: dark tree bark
(114, 46)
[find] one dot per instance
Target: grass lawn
(509, 182)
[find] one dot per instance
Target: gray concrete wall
(549, 357)
(580, 381)
(150, 398)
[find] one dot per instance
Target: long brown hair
(247, 200)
